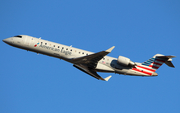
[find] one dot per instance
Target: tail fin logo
(148, 62)
(150, 66)
(153, 63)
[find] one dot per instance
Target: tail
(157, 60)
(149, 67)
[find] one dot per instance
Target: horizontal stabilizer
(166, 56)
(168, 61)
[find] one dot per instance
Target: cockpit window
(18, 36)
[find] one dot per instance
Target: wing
(91, 72)
(91, 60)
(88, 63)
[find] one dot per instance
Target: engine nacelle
(125, 61)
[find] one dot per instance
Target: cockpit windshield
(19, 36)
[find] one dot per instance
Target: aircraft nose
(4, 40)
(7, 40)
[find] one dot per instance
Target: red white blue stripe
(149, 67)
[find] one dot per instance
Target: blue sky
(31, 83)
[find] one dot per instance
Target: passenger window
(41, 43)
(83, 53)
(45, 43)
(71, 50)
(54, 45)
(58, 46)
(66, 48)
(62, 47)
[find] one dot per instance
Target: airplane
(90, 62)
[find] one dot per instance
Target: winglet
(107, 78)
(110, 49)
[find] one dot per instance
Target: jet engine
(125, 61)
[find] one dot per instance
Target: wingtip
(107, 78)
(110, 49)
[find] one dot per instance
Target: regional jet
(90, 62)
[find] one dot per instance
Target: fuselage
(38, 45)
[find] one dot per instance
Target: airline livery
(90, 62)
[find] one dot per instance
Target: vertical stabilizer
(151, 65)
(157, 60)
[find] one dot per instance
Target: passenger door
(26, 41)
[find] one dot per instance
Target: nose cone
(4, 40)
(7, 40)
